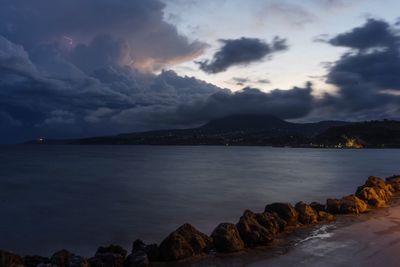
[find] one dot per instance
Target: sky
(76, 68)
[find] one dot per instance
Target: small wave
(322, 232)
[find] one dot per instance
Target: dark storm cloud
(241, 51)
(134, 30)
(374, 33)
(366, 76)
(287, 104)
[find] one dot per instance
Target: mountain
(242, 129)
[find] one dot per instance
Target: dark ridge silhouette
(262, 130)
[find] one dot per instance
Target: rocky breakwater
(251, 230)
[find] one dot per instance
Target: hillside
(366, 134)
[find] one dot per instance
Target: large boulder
(142, 254)
(285, 211)
(347, 205)
(383, 190)
(307, 214)
(271, 222)
(34, 261)
(318, 206)
(252, 232)
(226, 238)
(153, 252)
(375, 197)
(394, 182)
(325, 216)
(137, 259)
(114, 249)
(64, 258)
(9, 259)
(110, 256)
(184, 242)
(107, 260)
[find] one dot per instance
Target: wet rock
(34, 261)
(184, 242)
(137, 259)
(352, 204)
(107, 260)
(110, 256)
(137, 245)
(394, 182)
(252, 232)
(285, 211)
(383, 190)
(375, 197)
(226, 238)
(281, 222)
(114, 249)
(271, 222)
(153, 252)
(64, 258)
(318, 206)
(9, 259)
(61, 258)
(333, 205)
(325, 216)
(347, 205)
(78, 261)
(307, 215)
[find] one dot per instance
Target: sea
(81, 197)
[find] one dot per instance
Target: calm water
(80, 197)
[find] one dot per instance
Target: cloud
(368, 74)
(287, 104)
(373, 34)
(35, 102)
(286, 13)
(241, 51)
(128, 31)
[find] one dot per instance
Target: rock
(184, 242)
(383, 190)
(137, 259)
(347, 205)
(373, 196)
(64, 258)
(307, 215)
(333, 205)
(114, 249)
(325, 216)
(138, 245)
(318, 206)
(78, 261)
(110, 256)
(61, 258)
(9, 259)
(226, 238)
(252, 232)
(34, 261)
(352, 204)
(284, 210)
(107, 260)
(394, 182)
(271, 222)
(153, 252)
(281, 222)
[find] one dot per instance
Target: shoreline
(256, 239)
